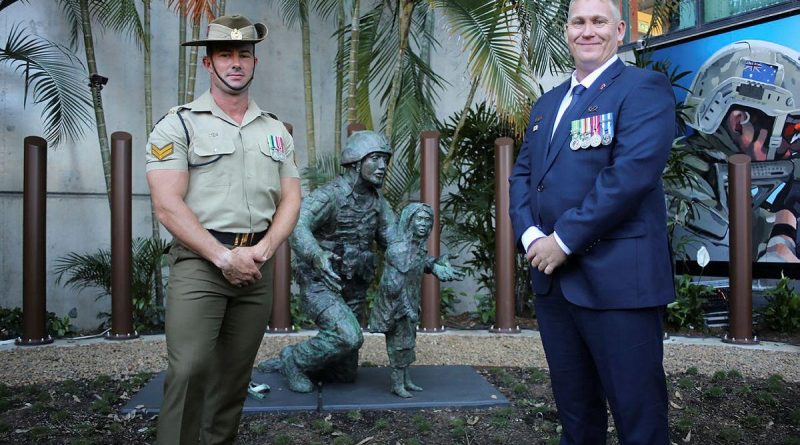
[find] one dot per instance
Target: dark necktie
(577, 90)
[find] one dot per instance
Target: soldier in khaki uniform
(224, 183)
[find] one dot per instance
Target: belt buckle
(243, 240)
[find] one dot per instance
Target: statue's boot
(271, 365)
(408, 383)
(398, 386)
(298, 380)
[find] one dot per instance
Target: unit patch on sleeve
(163, 152)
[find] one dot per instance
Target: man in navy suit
(587, 206)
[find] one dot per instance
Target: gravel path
(86, 359)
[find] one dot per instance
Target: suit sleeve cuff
(532, 234)
(561, 244)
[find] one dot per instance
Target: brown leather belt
(238, 239)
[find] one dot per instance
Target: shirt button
(540, 188)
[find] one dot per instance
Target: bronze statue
(333, 243)
(396, 309)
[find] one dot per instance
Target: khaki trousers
(213, 333)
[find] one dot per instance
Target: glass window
(720, 9)
(688, 14)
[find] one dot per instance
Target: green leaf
(56, 78)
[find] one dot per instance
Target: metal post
(352, 128)
(281, 319)
(429, 172)
(34, 216)
(504, 239)
(121, 237)
(740, 208)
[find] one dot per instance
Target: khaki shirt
(234, 170)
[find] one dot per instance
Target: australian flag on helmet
(760, 71)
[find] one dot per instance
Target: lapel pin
(535, 128)
(602, 87)
(537, 118)
(593, 108)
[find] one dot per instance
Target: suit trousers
(213, 332)
(596, 356)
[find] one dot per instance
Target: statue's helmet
(362, 143)
(749, 73)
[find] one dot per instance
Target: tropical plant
(486, 309)
(448, 300)
(53, 75)
(117, 15)
(83, 271)
(468, 208)
(295, 11)
(11, 324)
(687, 309)
(782, 311)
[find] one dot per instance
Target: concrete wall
(77, 210)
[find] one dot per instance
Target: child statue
(396, 308)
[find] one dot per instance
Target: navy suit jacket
(606, 203)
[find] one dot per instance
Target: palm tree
(298, 11)
(193, 11)
(119, 15)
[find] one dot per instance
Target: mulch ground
(725, 408)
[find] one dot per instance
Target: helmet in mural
(750, 73)
(362, 143)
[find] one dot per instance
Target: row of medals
(594, 139)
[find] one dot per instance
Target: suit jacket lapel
(559, 140)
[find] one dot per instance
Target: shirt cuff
(532, 234)
(561, 244)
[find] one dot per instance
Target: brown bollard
(504, 239)
(431, 320)
(34, 217)
(121, 237)
(740, 251)
(281, 319)
(352, 128)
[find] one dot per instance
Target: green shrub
(94, 271)
(11, 324)
(298, 314)
(782, 311)
(448, 300)
(468, 211)
(687, 309)
(486, 309)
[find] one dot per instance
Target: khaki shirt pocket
(208, 162)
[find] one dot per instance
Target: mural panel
(742, 96)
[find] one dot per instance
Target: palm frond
(662, 11)
(543, 36)
(326, 169)
(195, 10)
(72, 14)
(121, 16)
(328, 8)
(50, 71)
(490, 35)
(6, 3)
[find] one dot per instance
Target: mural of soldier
(744, 100)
